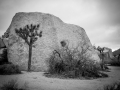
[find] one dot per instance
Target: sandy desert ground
(37, 81)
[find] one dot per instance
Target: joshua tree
(102, 57)
(29, 33)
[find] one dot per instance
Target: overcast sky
(99, 18)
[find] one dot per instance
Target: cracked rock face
(54, 31)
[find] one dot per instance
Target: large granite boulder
(54, 31)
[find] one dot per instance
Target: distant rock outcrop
(116, 52)
(5, 38)
(54, 31)
(109, 51)
(105, 53)
(2, 44)
(108, 55)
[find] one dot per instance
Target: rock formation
(105, 54)
(54, 31)
(2, 44)
(109, 53)
(116, 54)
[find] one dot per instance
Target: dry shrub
(70, 63)
(8, 69)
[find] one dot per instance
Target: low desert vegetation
(73, 64)
(115, 86)
(3, 57)
(8, 69)
(13, 85)
(115, 62)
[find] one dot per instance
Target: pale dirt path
(36, 81)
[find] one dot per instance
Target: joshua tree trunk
(30, 56)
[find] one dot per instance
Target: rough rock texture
(54, 31)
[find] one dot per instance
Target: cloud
(70, 11)
(115, 36)
(8, 8)
(100, 18)
(106, 36)
(111, 10)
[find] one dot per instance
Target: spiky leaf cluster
(6, 35)
(29, 33)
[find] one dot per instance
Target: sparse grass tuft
(12, 85)
(115, 86)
